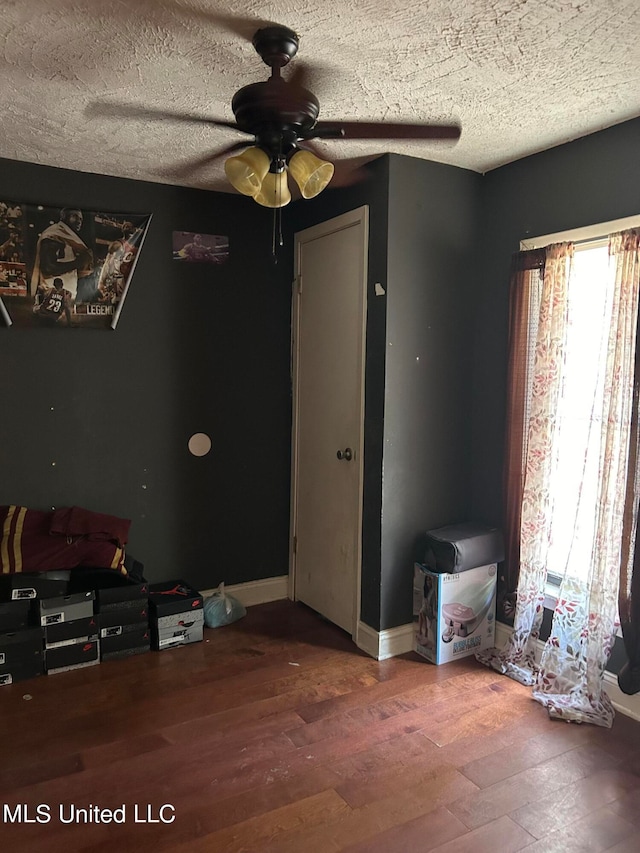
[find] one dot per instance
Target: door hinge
(298, 283)
(295, 544)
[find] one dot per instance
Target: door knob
(347, 454)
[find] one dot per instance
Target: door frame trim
(358, 216)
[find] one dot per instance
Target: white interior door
(328, 349)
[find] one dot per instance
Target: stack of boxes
(21, 635)
(123, 613)
(121, 610)
(70, 632)
(55, 622)
(177, 615)
(20, 653)
(454, 591)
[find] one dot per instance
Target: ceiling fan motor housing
(275, 107)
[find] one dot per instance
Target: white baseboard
(385, 644)
(398, 641)
(627, 705)
(378, 644)
(257, 592)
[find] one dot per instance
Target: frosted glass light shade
(246, 171)
(274, 191)
(310, 173)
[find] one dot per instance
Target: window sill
(551, 599)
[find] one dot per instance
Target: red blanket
(34, 541)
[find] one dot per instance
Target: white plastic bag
(222, 609)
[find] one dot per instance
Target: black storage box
(16, 587)
(65, 608)
(118, 654)
(21, 654)
(73, 631)
(131, 595)
(112, 590)
(72, 656)
(172, 597)
(459, 547)
(21, 649)
(117, 625)
(21, 672)
(15, 615)
(117, 621)
(127, 642)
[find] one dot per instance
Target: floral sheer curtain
(568, 679)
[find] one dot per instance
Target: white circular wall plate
(199, 444)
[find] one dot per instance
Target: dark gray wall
(371, 189)
(206, 349)
(198, 349)
(433, 220)
(594, 179)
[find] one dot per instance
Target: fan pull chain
(273, 236)
(276, 237)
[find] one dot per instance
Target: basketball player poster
(200, 248)
(66, 267)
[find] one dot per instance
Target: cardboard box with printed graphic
(454, 614)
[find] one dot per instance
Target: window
(571, 504)
(574, 485)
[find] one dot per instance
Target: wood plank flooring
(276, 735)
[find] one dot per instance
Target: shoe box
(125, 641)
(43, 628)
(16, 615)
(111, 589)
(56, 622)
(21, 654)
(124, 631)
(67, 633)
(177, 629)
(27, 586)
(66, 608)
(21, 635)
(123, 615)
(176, 615)
(70, 632)
(74, 655)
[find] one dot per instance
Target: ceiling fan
(282, 117)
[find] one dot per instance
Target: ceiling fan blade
(195, 164)
(383, 130)
(243, 26)
(309, 75)
(350, 171)
(299, 76)
(308, 145)
(119, 109)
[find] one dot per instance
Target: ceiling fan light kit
(246, 171)
(253, 173)
(310, 173)
(274, 191)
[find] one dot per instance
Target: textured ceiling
(520, 76)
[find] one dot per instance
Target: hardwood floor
(276, 735)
